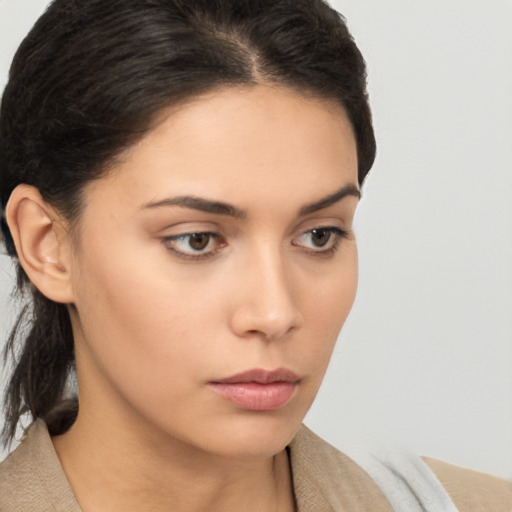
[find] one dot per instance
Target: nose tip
(274, 325)
(267, 307)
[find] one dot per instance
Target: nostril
(271, 332)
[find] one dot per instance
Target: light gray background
(425, 358)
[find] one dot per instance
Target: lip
(258, 389)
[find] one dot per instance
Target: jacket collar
(326, 480)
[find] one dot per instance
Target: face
(214, 270)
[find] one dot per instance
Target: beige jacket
(325, 480)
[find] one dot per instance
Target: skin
(155, 320)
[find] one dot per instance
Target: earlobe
(41, 243)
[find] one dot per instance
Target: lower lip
(257, 397)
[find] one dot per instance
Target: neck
(121, 470)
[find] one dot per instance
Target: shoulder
(471, 490)
(19, 481)
(383, 478)
(326, 479)
(31, 477)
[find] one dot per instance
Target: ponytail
(42, 368)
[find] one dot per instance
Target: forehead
(240, 144)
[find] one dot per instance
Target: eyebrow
(348, 190)
(220, 208)
(201, 204)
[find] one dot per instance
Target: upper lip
(261, 376)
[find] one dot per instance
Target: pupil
(320, 237)
(199, 241)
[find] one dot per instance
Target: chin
(260, 435)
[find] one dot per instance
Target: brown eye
(195, 245)
(320, 237)
(321, 241)
(199, 241)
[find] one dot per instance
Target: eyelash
(338, 234)
(168, 241)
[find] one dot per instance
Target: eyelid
(336, 230)
(167, 241)
(186, 228)
(332, 245)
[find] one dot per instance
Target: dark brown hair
(87, 82)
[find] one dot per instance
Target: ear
(42, 243)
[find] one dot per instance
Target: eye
(323, 240)
(194, 245)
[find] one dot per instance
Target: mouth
(258, 390)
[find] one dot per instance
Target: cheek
(334, 294)
(139, 339)
(145, 318)
(327, 308)
(129, 308)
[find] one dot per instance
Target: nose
(265, 302)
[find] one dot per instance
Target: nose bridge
(268, 304)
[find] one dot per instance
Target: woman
(179, 181)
